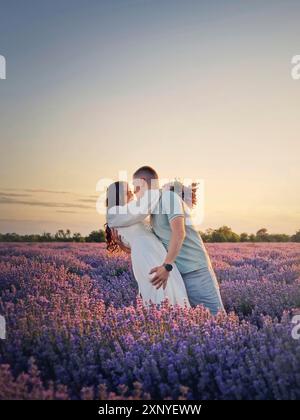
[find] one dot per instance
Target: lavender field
(76, 330)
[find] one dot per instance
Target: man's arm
(172, 206)
(135, 211)
(177, 237)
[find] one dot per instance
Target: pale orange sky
(195, 89)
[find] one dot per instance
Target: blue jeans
(203, 289)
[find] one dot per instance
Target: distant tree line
(225, 234)
(59, 236)
(222, 234)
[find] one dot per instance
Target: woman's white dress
(148, 252)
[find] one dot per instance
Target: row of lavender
(76, 330)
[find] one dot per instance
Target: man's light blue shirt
(192, 255)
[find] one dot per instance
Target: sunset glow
(195, 90)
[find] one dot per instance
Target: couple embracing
(168, 257)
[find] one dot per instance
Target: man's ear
(145, 186)
(138, 183)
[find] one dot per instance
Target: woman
(146, 251)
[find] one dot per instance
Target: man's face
(140, 186)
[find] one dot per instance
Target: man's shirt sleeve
(172, 205)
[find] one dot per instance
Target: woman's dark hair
(111, 245)
(116, 194)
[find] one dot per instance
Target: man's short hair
(147, 173)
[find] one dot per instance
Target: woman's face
(129, 195)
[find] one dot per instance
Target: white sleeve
(135, 211)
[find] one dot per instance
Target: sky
(196, 89)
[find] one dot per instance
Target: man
(171, 223)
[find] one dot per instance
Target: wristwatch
(168, 267)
